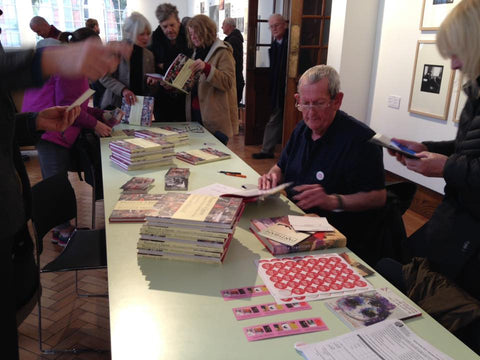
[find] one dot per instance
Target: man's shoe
(262, 155)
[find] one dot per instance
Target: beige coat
(217, 93)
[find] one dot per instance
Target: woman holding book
(444, 275)
(129, 79)
(213, 102)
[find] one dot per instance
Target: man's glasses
(315, 106)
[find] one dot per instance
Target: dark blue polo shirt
(342, 161)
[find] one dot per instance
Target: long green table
(165, 309)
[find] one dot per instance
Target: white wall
(351, 51)
(147, 8)
(396, 54)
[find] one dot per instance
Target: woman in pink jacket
(54, 148)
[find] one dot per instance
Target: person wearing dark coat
(449, 242)
(168, 40)
(234, 37)
(18, 70)
(278, 72)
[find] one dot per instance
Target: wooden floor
(69, 321)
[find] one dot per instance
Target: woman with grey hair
(129, 80)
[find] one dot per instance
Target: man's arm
(313, 195)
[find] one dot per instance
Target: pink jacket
(59, 91)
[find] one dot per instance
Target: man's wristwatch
(341, 206)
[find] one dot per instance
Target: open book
(388, 143)
(140, 113)
(178, 74)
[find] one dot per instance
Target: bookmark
(249, 312)
(89, 92)
(245, 292)
(284, 328)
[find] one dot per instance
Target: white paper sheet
(309, 223)
(389, 340)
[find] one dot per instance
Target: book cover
(388, 143)
(137, 185)
(177, 179)
(317, 241)
(118, 134)
(134, 207)
(201, 211)
(140, 113)
(371, 307)
(201, 156)
(161, 132)
(179, 75)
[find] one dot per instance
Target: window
(10, 36)
(114, 15)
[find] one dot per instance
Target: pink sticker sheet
(311, 277)
(245, 292)
(284, 328)
(249, 312)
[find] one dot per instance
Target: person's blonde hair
(458, 35)
(204, 27)
(134, 25)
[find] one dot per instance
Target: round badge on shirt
(320, 175)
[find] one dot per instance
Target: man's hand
(314, 195)
(88, 58)
(430, 164)
(103, 129)
(56, 118)
(270, 179)
(412, 145)
(129, 96)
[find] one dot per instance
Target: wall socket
(394, 101)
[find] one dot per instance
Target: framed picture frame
(460, 98)
(434, 11)
(432, 82)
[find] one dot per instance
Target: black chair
(53, 203)
(85, 158)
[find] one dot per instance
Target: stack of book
(318, 240)
(173, 135)
(137, 185)
(136, 153)
(201, 156)
(190, 227)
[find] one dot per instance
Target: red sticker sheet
(284, 328)
(254, 311)
(245, 292)
(311, 277)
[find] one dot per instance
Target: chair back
(53, 203)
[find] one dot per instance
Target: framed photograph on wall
(432, 82)
(434, 11)
(460, 98)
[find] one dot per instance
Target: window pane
(312, 7)
(328, 7)
(10, 36)
(264, 36)
(262, 57)
(310, 32)
(306, 59)
(326, 32)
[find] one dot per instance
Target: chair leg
(93, 206)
